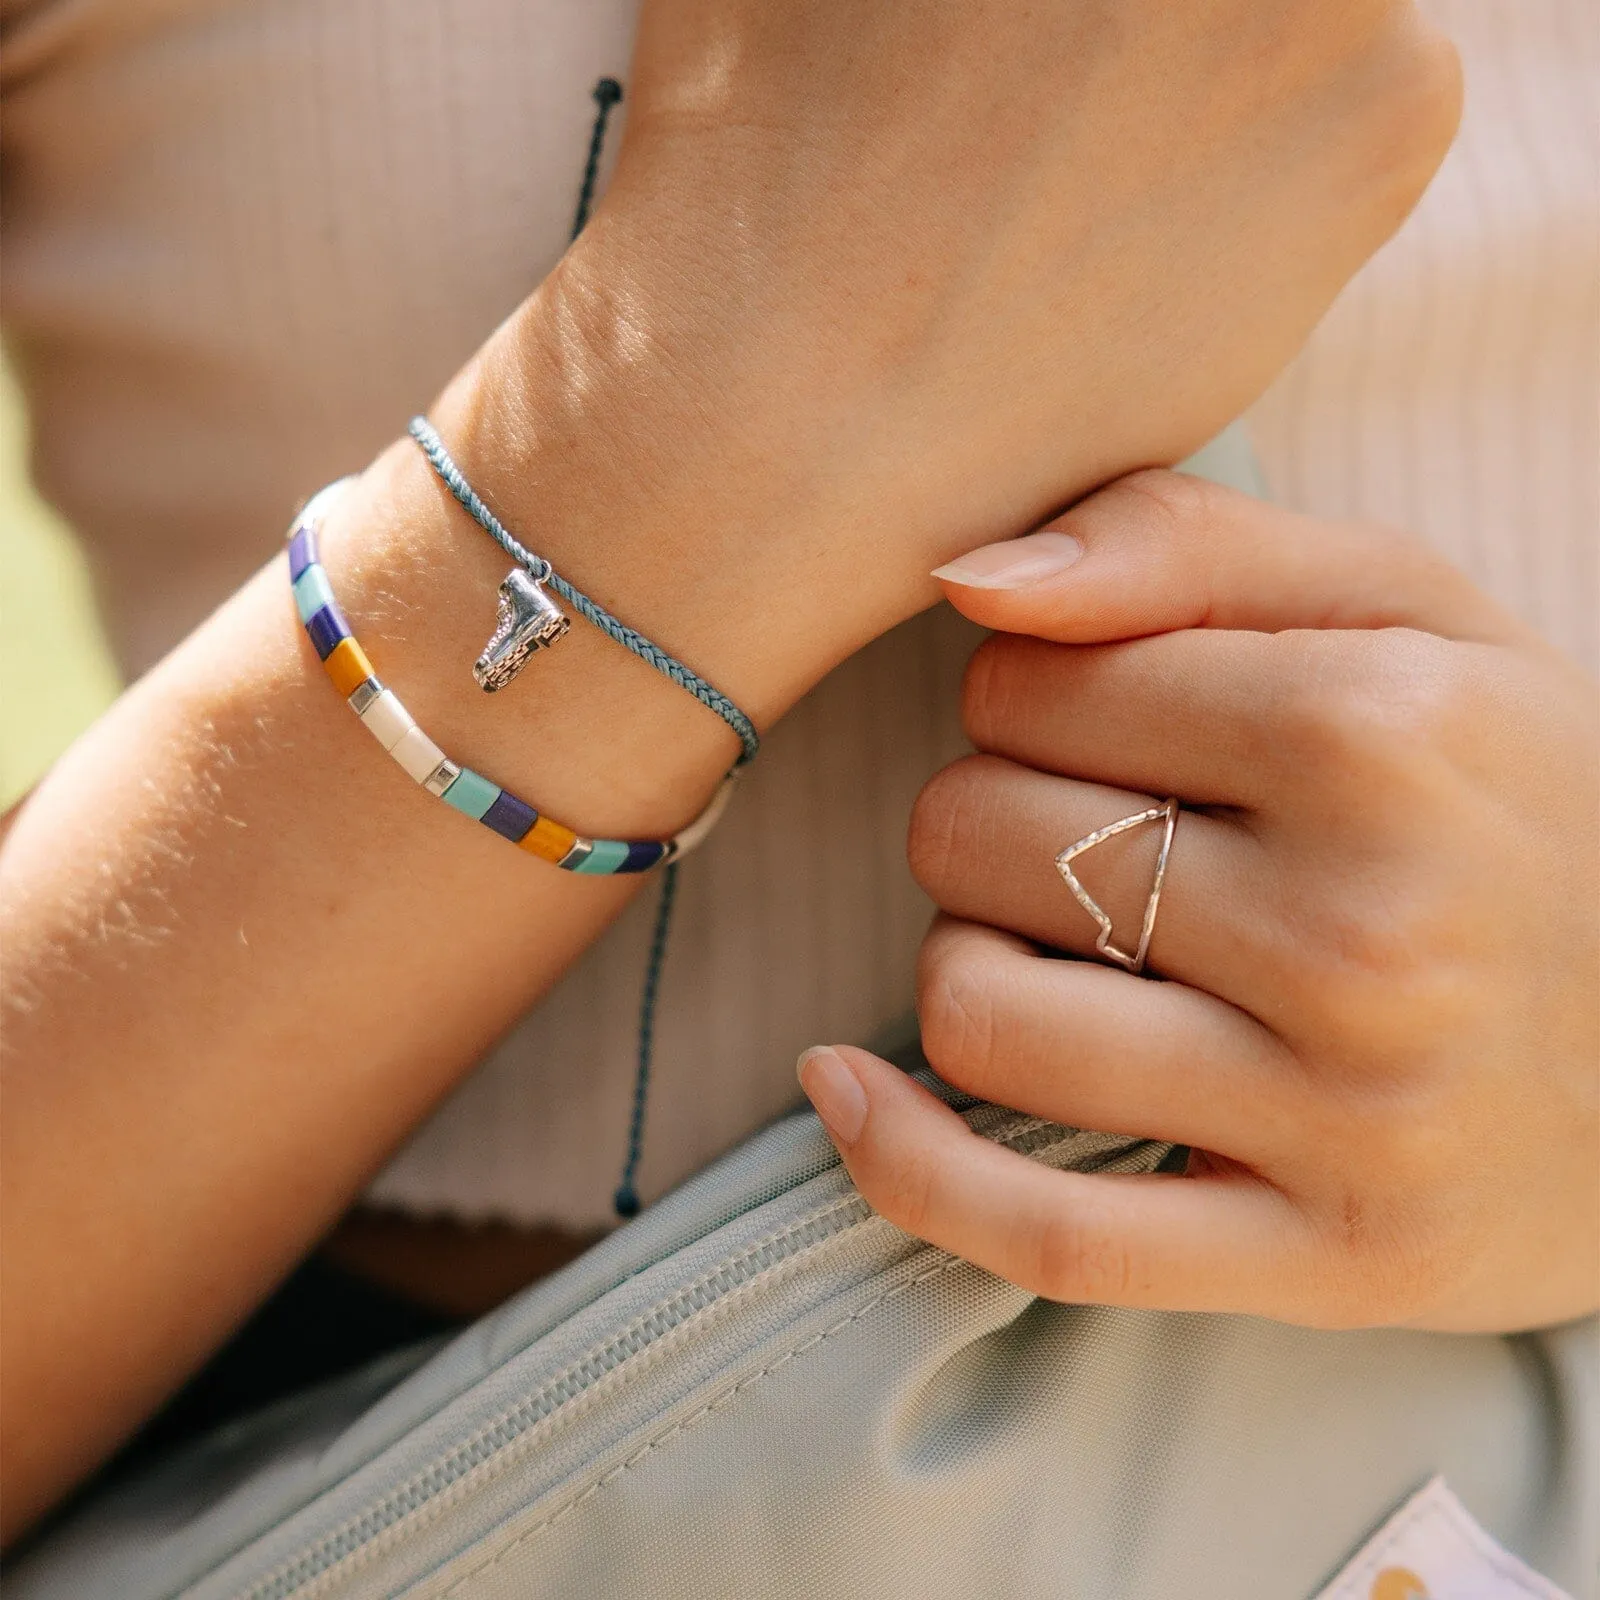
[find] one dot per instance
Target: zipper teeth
(645, 1330)
(1028, 1135)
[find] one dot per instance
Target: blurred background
(56, 673)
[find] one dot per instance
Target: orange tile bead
(548, 839)
(347, 665)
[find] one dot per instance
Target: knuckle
(942, 819)
(931, 833)
(1183, 526)
(1408, 94)
(1174, 514)
(1361, 933)
(958, 1012)
(1415, 691)
(1347, 704)
(1074, 1257)
(903, 1193)
(1375, 963)
(1316, 720)
(1405, 1130)
(1178, 502)
(992, 687)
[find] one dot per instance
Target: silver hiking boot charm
(528, 620)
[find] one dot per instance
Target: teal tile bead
(312, 592)
(471, 794)
(606, 856)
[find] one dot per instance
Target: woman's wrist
(703, 467)
(667, 494)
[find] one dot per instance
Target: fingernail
(836, 1093)
(1013, 564)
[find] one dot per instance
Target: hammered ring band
(1167, 814)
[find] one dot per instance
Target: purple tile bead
(642, 855)
(302, 551)
(326, 628)
(509, 817)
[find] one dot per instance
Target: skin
(1371, 1006)
(838, 310)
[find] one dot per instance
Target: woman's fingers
(984, 838)
(1095, 1047)
(1159, 551)
(1199, 715)
(1225, 1241)
(1265, 723)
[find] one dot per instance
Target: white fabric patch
(1433, 1549)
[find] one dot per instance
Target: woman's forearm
(245, 955)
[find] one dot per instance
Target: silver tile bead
(364, 694)
(441, 777)
(581, 851)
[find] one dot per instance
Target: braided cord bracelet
(347, 665)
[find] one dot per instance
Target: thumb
(1160, 551)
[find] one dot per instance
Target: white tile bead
(417, 753)
(388, 720)
(697, 831)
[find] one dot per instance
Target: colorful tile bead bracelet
(469, 792)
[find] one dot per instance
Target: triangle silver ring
(1133, 960)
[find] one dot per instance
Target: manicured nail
(836, 1093)
(1014, 564)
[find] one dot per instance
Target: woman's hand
(1379, 1028)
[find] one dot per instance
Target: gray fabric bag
(760, 1388)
